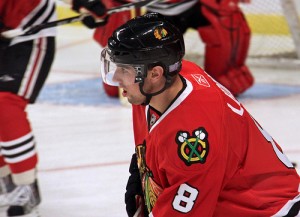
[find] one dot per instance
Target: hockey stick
(34, 29)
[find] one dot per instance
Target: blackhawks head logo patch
(160, 33)
(193, 149)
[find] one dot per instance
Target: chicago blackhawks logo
(150, 188)
(160, 33)
(193, 149)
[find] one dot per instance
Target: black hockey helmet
(147, 41)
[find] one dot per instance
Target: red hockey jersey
(206, 156)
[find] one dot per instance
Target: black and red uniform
(25, 62)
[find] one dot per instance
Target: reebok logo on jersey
(200, 80)
(193, 149)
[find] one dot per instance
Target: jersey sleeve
(23, 14)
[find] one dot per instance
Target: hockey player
(24, 65)
(198, 150)
(221, 26)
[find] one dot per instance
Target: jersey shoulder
(201, 82)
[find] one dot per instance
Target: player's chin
(133, 100)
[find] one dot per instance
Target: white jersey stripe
(31, 68)
(36, 70)
(19, 149)
(15, 155)
(177, 102)
(28, 71)
(21, 157)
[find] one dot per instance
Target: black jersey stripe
(11, 147)
(20, 153)
(50, 14)
(294, 211)
(40, 13)
(37, 15)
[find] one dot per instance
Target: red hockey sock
(16, 138)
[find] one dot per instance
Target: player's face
(125, 76)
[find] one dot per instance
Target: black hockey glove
(91, 22)
(134, 189)
(96, 7)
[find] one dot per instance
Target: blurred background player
(25, 62)
(221, 26)
(225, 33)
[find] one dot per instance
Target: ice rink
(85, 139)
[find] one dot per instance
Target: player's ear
(156, 73)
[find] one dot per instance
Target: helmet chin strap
(150, 95)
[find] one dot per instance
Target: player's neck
(162, 101)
